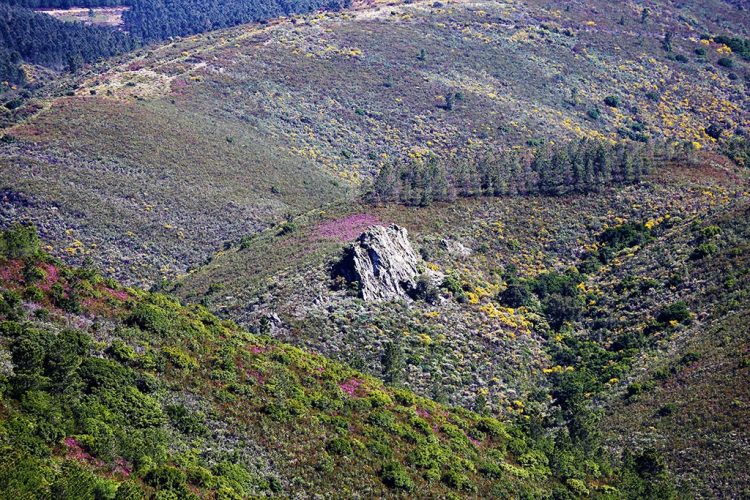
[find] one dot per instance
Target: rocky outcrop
(384, 264)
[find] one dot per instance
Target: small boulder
(455, 248)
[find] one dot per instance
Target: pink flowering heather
(423, 413)
(75, 451)
(122, 467)
(350, 386)
(118, 294)
(52, 276)
(257, 349)
(11, 271)
(347, 228)
(257, 376)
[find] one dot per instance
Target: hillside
(553, 197)
(476, 348)
(222, 121)
(111, 392)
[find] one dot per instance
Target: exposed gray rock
(384, 263)
(455, 248)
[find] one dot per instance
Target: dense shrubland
(116, 393)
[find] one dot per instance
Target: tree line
(66, 4)
(152, 20)
(578, 166)
(40, 39)
(27, 36)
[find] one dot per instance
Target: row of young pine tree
(578, 166)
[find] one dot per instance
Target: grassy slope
(212, 123)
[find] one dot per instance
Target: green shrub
(667, 409)
(516, 293)
(428, 456)
(404, 397)
(704, 250)
(187, 422)
(425, 290)
(19, 242)
(166, 478)
(395, 476)
(131, 407)
(452, 283)
(236, 477)
(677, 311)
(578, 487)
(150, 317)
(288, 228)
(129, 490)
(104, 373)
(33, 294)
(612, 101)
(458, 481)
(379, 398)
(339, 446)
(492, 427)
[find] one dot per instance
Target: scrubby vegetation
(588, 209)
(384, 107)
(129, 394)
(559, 299)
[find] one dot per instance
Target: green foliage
(577, 166)
(704, 250)
(70, 396)
(187, 422)
(339, 446)
(677, 311)
(395, 476)
(738, 45)
(452, 283)
(612, 101)
(425, 289)
(19, 242)
(557, 294)
(152, 318)
(288, 227)
(738, 149)
(623, 236)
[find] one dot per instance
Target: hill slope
(112, 392)
(254, 122)
(477, 348)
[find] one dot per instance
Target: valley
(179, 315)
